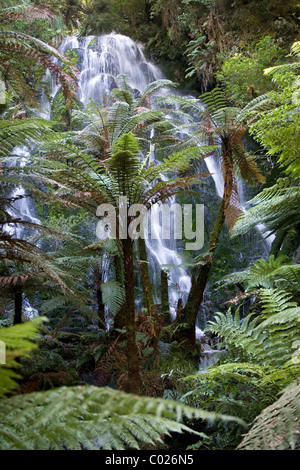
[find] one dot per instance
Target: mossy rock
(166, 334)
(66, 337)
(92, 337)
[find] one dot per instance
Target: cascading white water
(100, 61)
(23, 209)
(214, 167)
(166, 256)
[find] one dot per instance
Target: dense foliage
(105, 365)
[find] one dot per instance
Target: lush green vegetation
(103, 366)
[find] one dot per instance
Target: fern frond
(91, 418)
(18, 342)
(268, 274)
(278, 426)
(214, 100)
(18, 132)
(113, 296)
(276, 207)
(267, 339)
(20, 44)
(152, 88)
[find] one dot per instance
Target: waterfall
(214, 167)
(23, 208)
(100, 61)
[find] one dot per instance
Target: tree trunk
(277, 243)
(290, 244)
(101, 306)
(120, 317)
(165, 305)
(18, 306)
(148, 10)
(134, 379)
(199, 284)
(148, 301)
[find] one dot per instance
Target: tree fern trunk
(199, 284)
(18, 306)
(134, 379)
(165, 305)
(148, 301)
(120, 317)
(101, 306)
(277, 243)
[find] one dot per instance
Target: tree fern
(227, 388)
(267, 339)
(241, 389)
(21, 47)
(113, 296)
(18, 132)
(152, 88)
(276, 207)
(17, 340)
(277, 427)
(268, 274)
(91, 418)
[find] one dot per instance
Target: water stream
(23, 208)
(100, 61)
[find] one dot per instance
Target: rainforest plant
(19, 49)
(275, 272)
(260, 360)
(242, 74)
(277, 427)
(275, 126)
(106, 164)
(221, 126)
(109, 419)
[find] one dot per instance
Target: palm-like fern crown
(267, 274)
(222, 127)
(274, 121)
(106, 158)
(225, 124)
(16, 48)
(267, 339)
